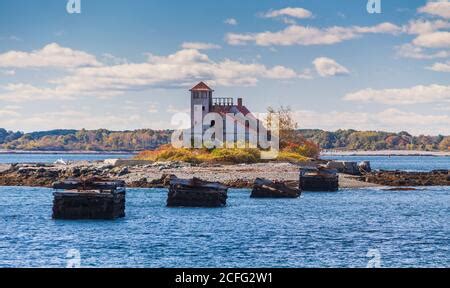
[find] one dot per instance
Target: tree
(445, 144)
(287, 126)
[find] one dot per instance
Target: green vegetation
(217, 155)
(84, 140)
(293, 148)
(146, 139)
(375, 140)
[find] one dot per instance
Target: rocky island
(157, 174)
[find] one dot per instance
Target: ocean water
(407, 163)
(344, 229)
(50, 158)
(405, 229)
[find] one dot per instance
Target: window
(213, 123)
(203, 108)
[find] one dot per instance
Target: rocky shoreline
(156, 175)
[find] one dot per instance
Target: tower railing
(222, 101)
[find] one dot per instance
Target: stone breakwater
(156, 175)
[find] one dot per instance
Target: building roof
(201, 87)
(230, 109)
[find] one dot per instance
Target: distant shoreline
(386, 153)
(67, 152)
(323, 153)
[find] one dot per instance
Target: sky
(129, 64)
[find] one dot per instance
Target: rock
(123, 171)
(364, 167)
(111, 162)
(196, 193)
(263, 188)
(403, 178)
(346, 167)
(238, 183)
(400, 189)
(319, 179)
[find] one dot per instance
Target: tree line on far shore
(147, 139)
(375, 140)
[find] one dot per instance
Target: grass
(291, 153)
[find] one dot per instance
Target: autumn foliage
(293, 148)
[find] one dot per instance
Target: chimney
(240, 102)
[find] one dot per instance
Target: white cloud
(327, 67)
(440, 67)
(414, 95)
(108, 58)
(422, 26)
(21, 92)
(393, 120)
(173, 109)
(77, 119)
(437, 8)
(410, 51)
(7, 112)
(428, 36)
(199, 46)
(8, 72)
(231, 21)
(294, 12)
(52, 55)
(439, 39)
(301, 35)
(181, 69)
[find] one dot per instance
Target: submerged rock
(263, 188)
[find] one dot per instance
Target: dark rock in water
(263, 188)
(404, 178)
(196, 193)
(89, 199)
(345, 167)
(319, 179)
(400, 189)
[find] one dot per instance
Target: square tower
(201, 96)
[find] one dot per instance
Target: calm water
(410, 163)
(409, 229)
(50, 158)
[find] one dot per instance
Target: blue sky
(128, 64)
